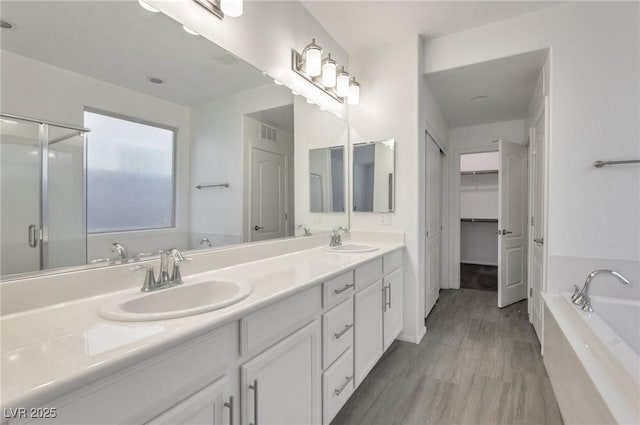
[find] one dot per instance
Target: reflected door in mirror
(374, 176)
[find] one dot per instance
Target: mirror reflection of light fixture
(323, 73)
(354, 92)
(147, 7)
(329, 69)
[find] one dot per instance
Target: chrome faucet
(336, 238)
(307, 231)
(582, 298)
(206, 241)
(120, 249)
(165, 279)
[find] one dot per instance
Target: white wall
(479, 243)
(394, 103)
(35, 89)
(218, 156)
(264, 36)
(595, 106)
(314, 129)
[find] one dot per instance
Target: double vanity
(295, 334)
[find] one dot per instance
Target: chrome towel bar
(203, 186)
(600, 164)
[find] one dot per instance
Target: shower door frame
(43, 136)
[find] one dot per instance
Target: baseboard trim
(415, 339)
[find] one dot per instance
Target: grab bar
(600, 164)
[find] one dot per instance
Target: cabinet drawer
(265, 327)
(337, 289)
(337, 332)
(138, 393)
(391, 261)
(337, 386)
(368, 273)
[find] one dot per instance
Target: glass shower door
(20, 193)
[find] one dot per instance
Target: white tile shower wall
(594, 115)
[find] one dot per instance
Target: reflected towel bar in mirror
(600, 164)
(204, 186)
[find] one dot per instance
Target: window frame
(174, 166)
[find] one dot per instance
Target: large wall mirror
(326, 180)
(374, 176)
(168, 141)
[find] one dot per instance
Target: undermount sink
(349, 248)
(184, 300)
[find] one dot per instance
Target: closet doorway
(492, 209)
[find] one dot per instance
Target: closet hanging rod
(473, 173)
(479, 220)
(204, 186)
(600, 164)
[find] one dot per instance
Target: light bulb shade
(233, 8)
(313, 61)
(342, 84)
(354, 94)
(329, 68)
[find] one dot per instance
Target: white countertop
(50, 351)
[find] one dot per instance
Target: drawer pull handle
(343, 386)
(229, 404)
(340, 291)
(254, 387)
(344, 331)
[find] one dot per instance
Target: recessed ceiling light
(6, 25)
(189, 30)
(156, 80)
(480, 98)
(147, 7)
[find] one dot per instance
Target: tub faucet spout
(582, 298)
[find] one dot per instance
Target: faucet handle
(150, 282)
(576, 292)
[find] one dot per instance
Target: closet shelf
(479, 220)
(473, 173)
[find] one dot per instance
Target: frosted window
(129, 175)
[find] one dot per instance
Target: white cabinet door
(368, 329)
(212, 405)
(392, 306)
(281, 386)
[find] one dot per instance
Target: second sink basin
(349, 248)
(184, 300)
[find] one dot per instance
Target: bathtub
(593, 359)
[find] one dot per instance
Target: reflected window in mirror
(326, 179)
(374, 176)
(130, 175)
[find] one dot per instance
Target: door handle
(540, 241)
(33, 236)
(256, 227)
(254, 387)
(504, 232)
(229, 404)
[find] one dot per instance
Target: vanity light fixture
(146, 6)
(354, 92)
(329, 72)
(233, 8)
(324, 74)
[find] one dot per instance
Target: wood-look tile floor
(477, 364)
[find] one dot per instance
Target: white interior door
(537, 223)
(268, 199)
(512, 216)
(432, 225)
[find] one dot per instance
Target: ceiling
(508, 84)
(121, 43)
(280, 117)
(360, 25)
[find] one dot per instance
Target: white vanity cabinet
(281, 386)
(212, 405)
(368, 329)
(391, 307)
